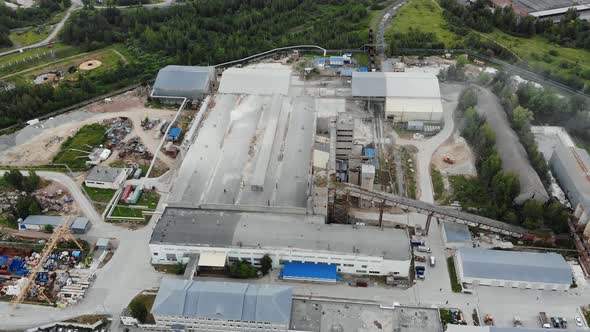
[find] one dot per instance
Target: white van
(424, 249)
(432, 261)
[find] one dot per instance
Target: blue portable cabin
(174, 134)
(336, 61)
(347, 71)
(364, 69)
(370, 152)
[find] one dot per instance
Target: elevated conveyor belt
(431, 210)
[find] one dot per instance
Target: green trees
(242, 270)
(265, 264)
(26, 206)
(138, 310)
(48, 229)
(24, 183)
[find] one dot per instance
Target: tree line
(22, 17)
(492, 193)
(209, 32)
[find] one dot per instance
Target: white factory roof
(223, 300)
(367, 169)
(559, 11)
(531, 267)
(398, 85)
(191, 227)
(471, 328)
(255, 81)
(429, 109)
(212, 259)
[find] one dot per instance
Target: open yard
(75, 149)
(100, 197)
(32, 36)
(148, 198)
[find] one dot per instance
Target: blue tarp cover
(310, 271)
(371, 153)
(174, 132)
(363, 69)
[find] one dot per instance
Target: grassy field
(72, 150)
(16, 62)
(427, 16)
(148, 302)
(100, 197)
(437, 184)
(32, 36)
(424, 15)
(148, 198)
(455, 285)
(107, 57)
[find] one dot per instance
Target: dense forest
(492, 193)
(22, 17)
(208, 32)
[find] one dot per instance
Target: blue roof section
(320, 60)
(371, 153)
(318, 272)
(364, 69)
(347, 71)
(174, 132)
(336, 58)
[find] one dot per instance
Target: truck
(544, 320)
(424, 249)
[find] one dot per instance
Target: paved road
(427, 147)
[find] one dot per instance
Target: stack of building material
(76, 284)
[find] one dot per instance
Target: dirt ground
(43, 147)
(458, 150)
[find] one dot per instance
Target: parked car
(361, 283)
(554, 322)
(562, 322)
(424, 249)
(579, 321)
(432, 261)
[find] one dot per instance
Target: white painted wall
(203, 324)
(346, 263)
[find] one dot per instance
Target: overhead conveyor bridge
(431, 210)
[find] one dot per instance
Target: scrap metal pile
(119, 128)
(134, 147)
(60, 282)
(8, 200)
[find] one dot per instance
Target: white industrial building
(38, 222)
(191, 82)
(286, 237)
(189, 305)
(408, 96)
(571, 167)
(104, 177)
(524, 270)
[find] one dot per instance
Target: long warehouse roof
(400, 85)
(515, 266)
(255, 81)
(183, 81)
(182, 226)
(223, 300)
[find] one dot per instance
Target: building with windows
(221, 306)
(514, 269)
(285, 237)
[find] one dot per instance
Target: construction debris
(134, 147)
(119, 128)
(8, 200)
(54, 201)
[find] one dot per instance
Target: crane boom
(62, 232)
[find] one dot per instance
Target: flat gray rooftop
(256, 81)
(538, 5)
(325, 316)
(253, 229)
(235, 139)
(515, 266)
(457, 232)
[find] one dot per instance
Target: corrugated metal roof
(43, 220)
(183, 81)
(457, 232)
(80, 223)
(515, 266)
(104, 174)
(404, 85)
(223, 300)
